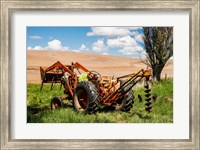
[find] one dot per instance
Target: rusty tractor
(87, 96)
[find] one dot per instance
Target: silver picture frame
(8, 7)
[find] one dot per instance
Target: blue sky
(120, 41)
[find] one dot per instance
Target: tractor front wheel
(86, 97)
(56, 103)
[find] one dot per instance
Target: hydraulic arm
(128, 85)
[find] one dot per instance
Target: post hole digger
(97, 90)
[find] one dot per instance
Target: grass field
(38, 107)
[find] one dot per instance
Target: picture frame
(9, 7)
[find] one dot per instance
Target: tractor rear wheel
(86, 97)
(56, 103)
(126, 102)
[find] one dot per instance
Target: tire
(126, 102)
(56, 103)
(86, 97)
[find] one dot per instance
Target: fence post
(165, 76)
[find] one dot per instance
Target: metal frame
(7, 7)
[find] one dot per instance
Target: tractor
(97, 90)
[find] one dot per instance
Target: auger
(148, 96)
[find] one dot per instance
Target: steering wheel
(93, 75)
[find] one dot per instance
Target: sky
(119, 41)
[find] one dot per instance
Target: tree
(158, 45)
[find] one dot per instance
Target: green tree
(158, 44)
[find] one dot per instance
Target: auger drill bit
(148, 97)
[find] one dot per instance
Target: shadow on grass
(35, 110)
(37, 115)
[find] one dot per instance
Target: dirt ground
(104, 64)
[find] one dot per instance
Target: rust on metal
(108, 90)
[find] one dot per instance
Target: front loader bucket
(52, 76)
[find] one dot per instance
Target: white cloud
(122, 42)
(127, 45)
(74, 50)
(135, 28)
(35, 48)
(130, 50)
(36, 37)
(99, 46)
(65, 48)
(29, 48)
(83, 47)
(126, 39)
(110, 31)
(113, 31)
(54, 45)
(57, 45)
(105, 54)
(139, 38)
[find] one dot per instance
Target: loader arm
(59, 65)
(79, 66)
